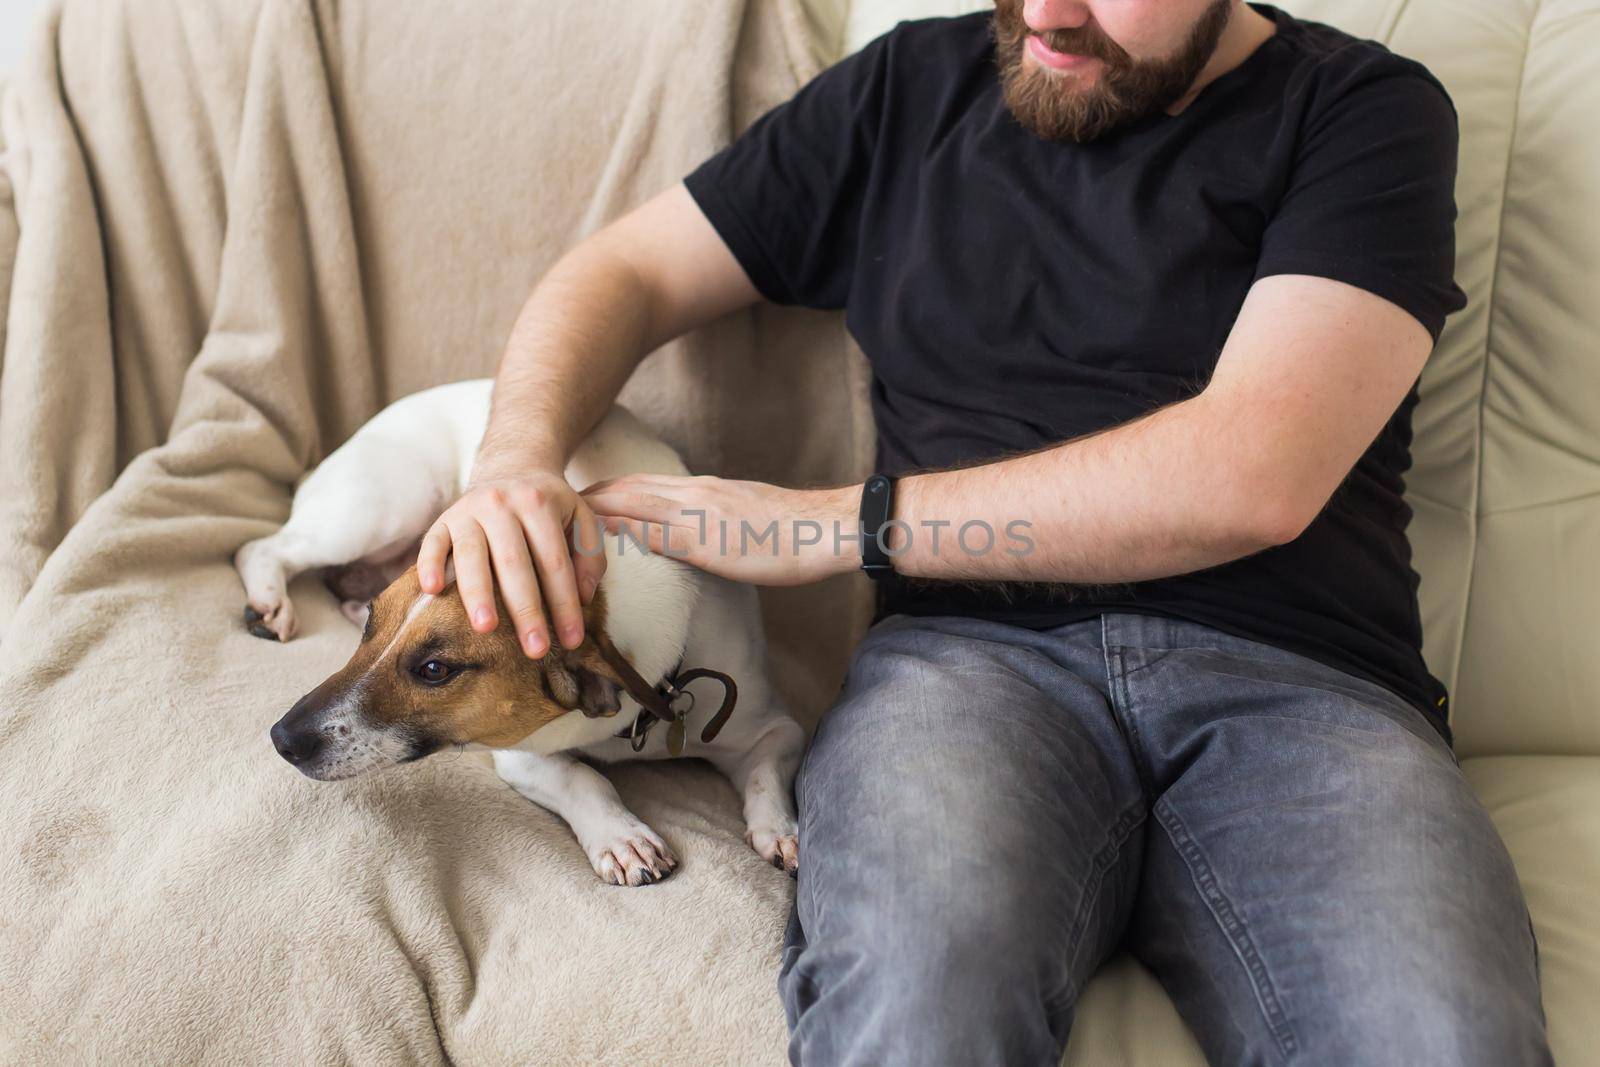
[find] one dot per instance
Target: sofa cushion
(1547, 809)
(1125, 1019)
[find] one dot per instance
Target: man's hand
(747, 531)
(496, 522)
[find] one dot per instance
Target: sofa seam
(1393, 19)
(1488, 354)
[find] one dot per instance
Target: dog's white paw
(635, 856)
(271, 619)
(268, 613)
(779, 847)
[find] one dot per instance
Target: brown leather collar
(667, 701)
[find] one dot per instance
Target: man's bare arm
(1311, 372)
(648, 277)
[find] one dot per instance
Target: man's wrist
(499, 463)
(839, 509)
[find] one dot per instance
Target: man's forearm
(1177, 490)
(1171, 492)
(580, 335)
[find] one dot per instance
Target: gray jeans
(989, 811)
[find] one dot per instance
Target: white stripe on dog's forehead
(414, 612)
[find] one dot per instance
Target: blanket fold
(229, 233)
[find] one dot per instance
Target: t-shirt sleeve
(786, 195)
(1370, 199)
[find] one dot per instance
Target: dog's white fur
(373, 498)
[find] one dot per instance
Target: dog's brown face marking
(422, 679)
(422, 667)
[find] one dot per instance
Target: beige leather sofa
(1506, 481)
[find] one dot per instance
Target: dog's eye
(434, 672)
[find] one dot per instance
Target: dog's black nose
(296, 746)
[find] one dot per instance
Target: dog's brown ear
(577, 682)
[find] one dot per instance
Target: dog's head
(422, 680)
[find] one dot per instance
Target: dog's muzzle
(327, 738)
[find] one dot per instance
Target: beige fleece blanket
(230, 232)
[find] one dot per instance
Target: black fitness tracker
(877, 508)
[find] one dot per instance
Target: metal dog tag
(675, 734)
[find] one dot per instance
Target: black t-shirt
(1012, 292)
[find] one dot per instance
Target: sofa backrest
(1505, 483)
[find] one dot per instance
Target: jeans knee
(1462, 1009)
(916, 991)
(1427, 1031)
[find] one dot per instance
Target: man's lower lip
(1051, 58)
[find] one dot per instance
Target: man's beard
(1051, 106)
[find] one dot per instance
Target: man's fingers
(514, 571)
(471, 551)
(557, 575)
(623, 480)
(659, 483)
(431, 556)
(635, 535)
(542, 546)
(588, 550)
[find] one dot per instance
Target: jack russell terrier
(422, 679)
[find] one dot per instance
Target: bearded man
(1146, 287)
